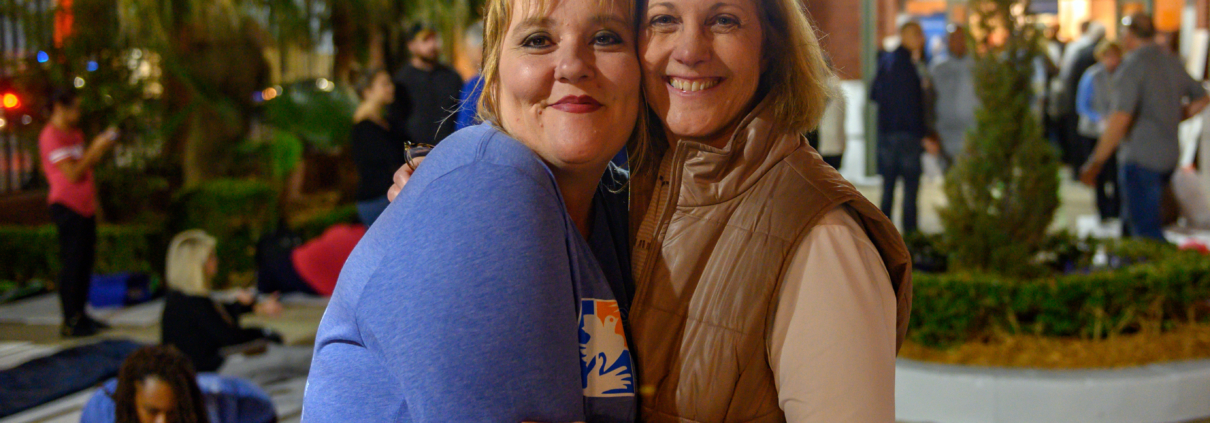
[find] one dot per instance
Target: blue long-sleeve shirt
(1093, 102)
(468, 100)
(474, 298)
(1084, 95)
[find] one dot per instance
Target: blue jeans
(1142, 191)
(369, 210)
(899, 158)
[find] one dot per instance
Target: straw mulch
(1185, 342)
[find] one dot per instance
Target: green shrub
(950, 309)
(272, 156)
(236, 212)
(321, 118)
(32, 252)
(1004, 190)
(129, 194)
(29, 252)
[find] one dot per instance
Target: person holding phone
(68, 163)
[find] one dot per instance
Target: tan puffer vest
(709, 256)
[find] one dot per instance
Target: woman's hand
(269, 306)
(245, 297)
(401, 178)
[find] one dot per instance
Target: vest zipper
(668, 180)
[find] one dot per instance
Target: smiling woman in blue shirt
(489, 292)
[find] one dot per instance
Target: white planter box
(1169, 392)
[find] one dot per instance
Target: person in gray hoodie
(956, 99)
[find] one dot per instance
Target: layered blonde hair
(497, 16)
(1105, 46)
(186, 262)
(794, 82)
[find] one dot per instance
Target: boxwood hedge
(1170, 286)
(32, 252)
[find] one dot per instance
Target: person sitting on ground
(194, 322)
(284, 266)
(158, 384)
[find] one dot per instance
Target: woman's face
(1111, 60)
(702, 62)
(154, 401)
(382, 90)
(210, 268)
(569, 81)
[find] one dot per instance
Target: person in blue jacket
(157, 384)
(495, 288)
(468, 99)
(1094, 106)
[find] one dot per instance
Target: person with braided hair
(158, 384)
(155, 384)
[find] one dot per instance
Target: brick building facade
(840, 29)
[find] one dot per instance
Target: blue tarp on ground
(49, 378)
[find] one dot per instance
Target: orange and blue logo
(606, 369)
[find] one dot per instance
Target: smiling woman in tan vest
(768, 288)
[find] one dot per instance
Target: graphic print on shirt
(75, 152)
(605, 363)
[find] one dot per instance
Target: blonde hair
(1105, 46)
(186, 261)
(794, 83)
(497, 16)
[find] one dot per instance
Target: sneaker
(77, 327)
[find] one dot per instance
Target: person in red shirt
(68, 164)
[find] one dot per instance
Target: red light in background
(11, 101)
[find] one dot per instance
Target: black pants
(278, 275)
(275, 270)
(1109, 197)
(77, 251)
(899, 158)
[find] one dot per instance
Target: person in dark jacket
(193, 322)
(429, 91)
(902, 125)
(375, 146)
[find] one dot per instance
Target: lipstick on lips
(577, 104)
